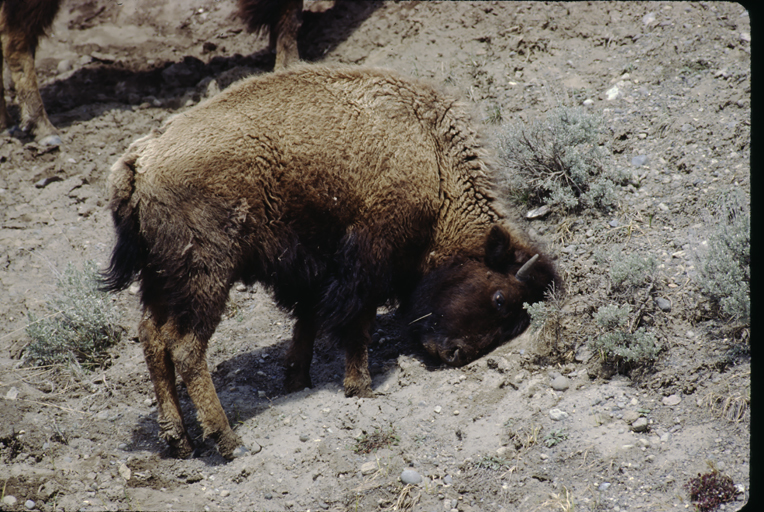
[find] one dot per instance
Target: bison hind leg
(300, 353)
(356, 338)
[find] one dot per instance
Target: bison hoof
(295, 384)
(182, 448)
(360, 392)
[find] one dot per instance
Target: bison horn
(522, 274)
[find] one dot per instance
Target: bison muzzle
(341, 189)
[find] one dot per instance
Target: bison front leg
(356, 341)
(162, 372)
(300, 354)
(20, 58)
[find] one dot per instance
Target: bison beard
(341, 189)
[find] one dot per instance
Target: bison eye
(498, 300)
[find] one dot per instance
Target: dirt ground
(672, 82)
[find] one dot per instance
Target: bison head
(469, 305)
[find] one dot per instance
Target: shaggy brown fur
(339, 188)
(22, 23)
(282, 18)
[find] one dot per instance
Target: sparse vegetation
(368, 443)
(82, 325)
(559, 162)
(710, 490)
(555, 437)
(725, 265)
(616, 344)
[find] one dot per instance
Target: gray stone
(557, 414)
(663, 304)
(671, 400)
(630, 417)
(409, 476)
(560, 383)
(10, 501)
(304, 437)
(29, 504)
(603, 486)
(639, 160)
(367, 468)
(640, 425)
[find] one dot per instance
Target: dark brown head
(467, 306)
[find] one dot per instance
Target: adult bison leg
(300, 353)
(20, 58)
(356, 340)
(162, 372)
(283, 34)
(188, 354)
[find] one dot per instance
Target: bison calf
(341, 189)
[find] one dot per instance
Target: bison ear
(498, 255)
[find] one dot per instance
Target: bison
(340, 189)
(23, 22)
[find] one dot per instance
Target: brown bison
(341, 189)
(23, 22)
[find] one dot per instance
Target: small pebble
(304, 437)
(9, 500)
(671, 400)
(409, 476)
(639, 425)
(29, 504)
(560, 383)
(603, 486)
(225, 493)
(663, 304)
(557, 414)
(639, 160)
(367, 468)
(438, 409)
(448, 480)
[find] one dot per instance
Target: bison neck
(467, 212)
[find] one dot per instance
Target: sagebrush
(83, 322)
(616, 344)
(724, 267)
(559, 162)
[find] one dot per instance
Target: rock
(588, 102)
(640, 425)
(745, 36)
(29, 504)
(367, 468)
(639, 160)
(560, 383)
(410, 477)
(663, 304)
(630, 417)
(304, 437)
(124, 471)
(12, 393)
(538, 212)
(10, 501)
(603, 486)
(448, 480)
(225, 493)
(612, 93)
(438, 409)
(648, 18)
(671, 400)
(557, 414)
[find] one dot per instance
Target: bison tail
(260, 14)
(128, 257)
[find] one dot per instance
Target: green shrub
(725, 267)
(616, 344)
(83, 322)
(632, 271)
(559, 162)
